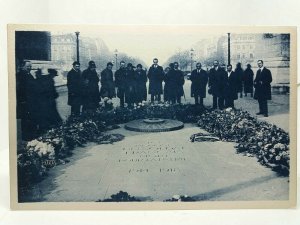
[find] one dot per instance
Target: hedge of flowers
(267, 142)
(54, 146)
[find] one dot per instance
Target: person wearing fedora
(141, 80)
(130, 92)
(156, 76)
(91, 94)
(47, 114)
(120, 83)
(75, 86)
(107, 82)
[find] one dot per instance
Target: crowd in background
(36, 105)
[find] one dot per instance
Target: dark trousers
(75, 110)
(155, 97)
(229, 103)
(218, 101)
(197, 98)
(263, 106)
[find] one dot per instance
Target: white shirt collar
(262, 68)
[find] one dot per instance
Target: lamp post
(77, 44)
(228, 48)
(192, 55)
(116, 54)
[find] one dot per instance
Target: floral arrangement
(120, 197)
(181, 198)
(267, 142)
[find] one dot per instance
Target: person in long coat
(141, 80)
(239, 74)
(178, 82)
(216, 85)
(231, 87)
(48, 115)
(130, 92)
(199, 80)
(166, 83)
(75, 85)
(156, 76)
(262, 85)
(120, 82)
(26, 93)
(107, 82)
(248, 80)
(91, 92)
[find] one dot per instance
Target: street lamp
(228, 48)
(77, 44)
(116, 54)
(192, 55)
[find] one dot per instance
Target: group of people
(36, 105)
(225, 85)
(128, 83)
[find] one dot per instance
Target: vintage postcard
(152, 117)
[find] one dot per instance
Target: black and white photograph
(173, 115)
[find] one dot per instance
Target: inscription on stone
(141, 156)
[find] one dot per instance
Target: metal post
(77, 44)
(228, 48)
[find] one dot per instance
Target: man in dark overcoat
(91, 92)
(216, 85)
(75, 88)
(178, 82)
(231, 87)
(156, 76)
(262, 85)
(141, 80)
(107, 82)
(26, 93)
(47, 116)
(199, 80)
(120, 82)
(166, 81)
(130, 92)
(248, 80)
(239, 72)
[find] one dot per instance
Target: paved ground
(156, 166)
(278, 106)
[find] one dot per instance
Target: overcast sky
(147, 42)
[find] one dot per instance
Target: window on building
(251, 56)
(238, 47)
(243, 46)
(238, 56)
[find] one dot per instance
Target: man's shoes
(265, 115)
(259, 113)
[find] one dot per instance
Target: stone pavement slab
(156, 166)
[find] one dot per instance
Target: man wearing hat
(130, 92)
(156, 76)
(120, 82)
(141, 80)
(47, 115)
(91, 94)
(75, 86)
(107, 82)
